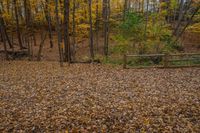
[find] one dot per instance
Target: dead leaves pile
(42, 97)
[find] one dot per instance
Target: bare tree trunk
(142, 6)
(188, 22)
(26, 12)
(106, 16)
(48, 18)
(91, 31)
(43, 37)
(59, 33)
(1, 37)
(5, 32)
(74, 29)
(125, 9)
(17, 24)
(66, 32)
(97, 25)
(2, 29)
(147, 19)
(182, 13)
(8, 39)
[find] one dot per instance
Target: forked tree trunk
(188, 22)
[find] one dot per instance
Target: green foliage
(119, 49)
(112, 60)
(132, 25)
(119, 38)
(173, 4)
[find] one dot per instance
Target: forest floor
(191, 44)
(42, 97)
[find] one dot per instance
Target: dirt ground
(52, 54)
(42, 97)
(191, 42)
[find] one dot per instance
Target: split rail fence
(162, 60)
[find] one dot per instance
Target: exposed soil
(191, 42)
(52, 54)
(42, 97)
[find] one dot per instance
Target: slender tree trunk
(182, 13)
(74, 29)
(106, 15)
(17, 24)
(91, 31)
(43, 37)
(59, 33)
(125, 9)
(66, 32)
(147, 19)
(97, 25)
(8, 39)
(48, 18)
(8, 5)
(142, 6)
(2, 29)
(1, 37)
(188, 22)
(5, 32)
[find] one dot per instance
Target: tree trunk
(2, 29)
(74, 29)
(48, 18)
(17, 24)
(97, 25)
(43, 37)
(147, 19)
(5, 32)
(91, 31)
(106, 15)
(125, 9)
(182, 13)
(66, 32)
(188, 22)
(59, 33)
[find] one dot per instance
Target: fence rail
(163, 60)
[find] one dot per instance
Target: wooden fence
(162, 60)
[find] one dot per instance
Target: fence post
(166, 60)
(125, 61)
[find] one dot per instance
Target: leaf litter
(42, 97)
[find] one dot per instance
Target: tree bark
(182, 13)
(2, 29)
(17, 24)
(106, 16)
(97, 25)
(66, 32)
(48, 18)
(74, 29)
(188, 22)
(91, 31)
(43, 37)
(125, 9)
(147, 19)
(58, 33)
